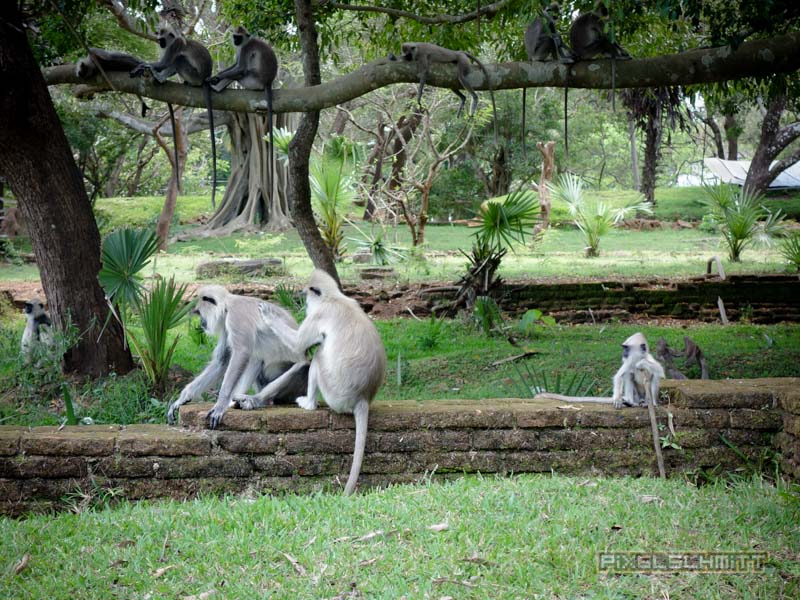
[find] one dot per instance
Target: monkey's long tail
(491, 91)
(174, 141)
(210, 109)
(566, 118)
(361, 414)
(271, 154)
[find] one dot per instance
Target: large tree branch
(198, 122)
(757, 58)
(490, 10)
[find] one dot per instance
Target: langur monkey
(100, 61)
(247, 351)
(255, 69)
(542, 43)
(589, 38)
(638, 366)
(631, 380)
(425, 54)
(38, 328)
(192, 62)
(349, 365)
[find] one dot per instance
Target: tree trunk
(373, 173)
(112, 183)
(548, 151)
(246, 199)
(732, 133)
(637, 184)
(774, 140)
(142, 160)
(717, 135)
(652, 152)
(36, 158)
(300, 149)
(171, 199)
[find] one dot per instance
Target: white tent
(735, 171)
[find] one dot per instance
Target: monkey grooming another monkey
(255, 68)
(349, 365)
(38, 328)
(543, 42)
(247, 352)
(425, 54)
(192, 62)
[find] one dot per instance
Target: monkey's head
(601, 10)
(635, 346)
(34, 308)
(409, 51)
(553, 9)
(85, 68)
(166, 36)
(210, 306)
(240, 36)
(320, 286)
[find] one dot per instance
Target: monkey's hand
(215, 416)
(187, 395)
(214, 80)
(617, 401)
(307, 403)
(140, 70)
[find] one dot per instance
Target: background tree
(37, 161)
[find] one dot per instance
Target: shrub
(742, 218)
(592, 216)
(159, 310)
(455, 193)
(790, 250)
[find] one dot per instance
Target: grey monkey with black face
(542, 43)
(425, 54)
(255, 68)
(191, 61)
(38, 328)
(247, 352)
(638, 367)
(349, 365)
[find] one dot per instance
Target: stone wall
(761, 298)
(788, 441)
(288, 449)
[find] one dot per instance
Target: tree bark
(637, 184)
(300, 149)
(774, 140)
(171, 198)
(716, 135)
(36, 158)
(732, 133)
(548, 151)
(652, 152)
(246, 199)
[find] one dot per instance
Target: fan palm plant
(332, 193)
(743, 220)
(592, 216)
(126, 252)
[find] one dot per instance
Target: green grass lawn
(623, 253)
(477, 537)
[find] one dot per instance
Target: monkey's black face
(165, 39)
(238, 38)
(28, 308)
(625, 351)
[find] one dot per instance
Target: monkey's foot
(245, 402)
(172, 413)
(307, 403)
